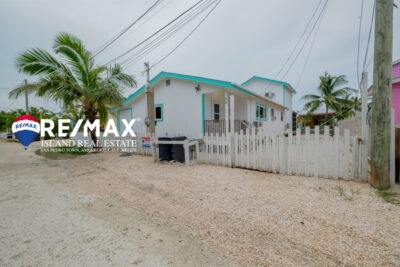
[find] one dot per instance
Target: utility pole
(149, 92)
(26, 99)
(364, 126)
(381, 102)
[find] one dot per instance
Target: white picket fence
(318, 154)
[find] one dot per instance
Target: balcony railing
(213, 127)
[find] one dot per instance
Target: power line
(143, 22)
(309, 54)
(298, 41)
(148, 48)
(154, 34)
(115, 38)
(187, 37)
(167, 34)
(358, 47)
(369, 37)
(307, 38)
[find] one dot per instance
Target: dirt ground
(94, 206)
(51, 214)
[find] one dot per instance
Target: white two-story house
(186, 104)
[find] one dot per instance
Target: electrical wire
(169, 32)
(309, 53)
(115, 38)
(150, 47)
(306, 40)
(358, 46)
(139, 25)
(298, 41)
(369, 37)
(188, 36)
(154, 34)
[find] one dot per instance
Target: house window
(272, 114)
(261, 112)
(216, 112)
(167, 82)
(159, 113)
(281, 115)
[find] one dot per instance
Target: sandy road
(45, 220)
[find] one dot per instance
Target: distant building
(315, 118)
(395, 92)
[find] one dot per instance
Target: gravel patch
(256, 218)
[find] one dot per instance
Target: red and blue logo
(26, 128)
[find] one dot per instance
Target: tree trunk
(326, 113)
(90, 115)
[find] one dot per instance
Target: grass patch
(389, 197)
(343, 194)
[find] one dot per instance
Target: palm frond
(29, 88)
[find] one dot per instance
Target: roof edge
(269, 80)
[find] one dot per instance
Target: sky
(238, 40)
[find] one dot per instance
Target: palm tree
(73, 79)
(349, 105)
(329, 94)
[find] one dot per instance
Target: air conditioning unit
(257, 124)
(273, 118)
(269, 94)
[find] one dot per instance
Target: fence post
(232, 117)
(307, 152)
(392, 150)
(336, 154)
(317, 149)
(289, 155)
(345, 165)
(326, 152)
(298, 152)
(186, 147)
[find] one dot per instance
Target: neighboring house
(395, 92)
(316, 118)
(186, 104)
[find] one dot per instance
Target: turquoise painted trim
(162, 112)
(268, 80)
(118, 117)
(266, 112)
(203, 113)
(284, 92)
(196, 79)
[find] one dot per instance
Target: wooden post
(307, 152)
(149, 93)
(232, 119)
(226, 113)
(290, 152)
(336, 154)
(364, 127)
(26, 98)
(186, 148)
(392, 150)
(382, 82)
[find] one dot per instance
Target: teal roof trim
(187, 78)
(269, 80)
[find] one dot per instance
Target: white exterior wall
(182, 108)
(283, 96)
(277, 126)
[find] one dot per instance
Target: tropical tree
(350, 104)
(329, 95)
(73, 79)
